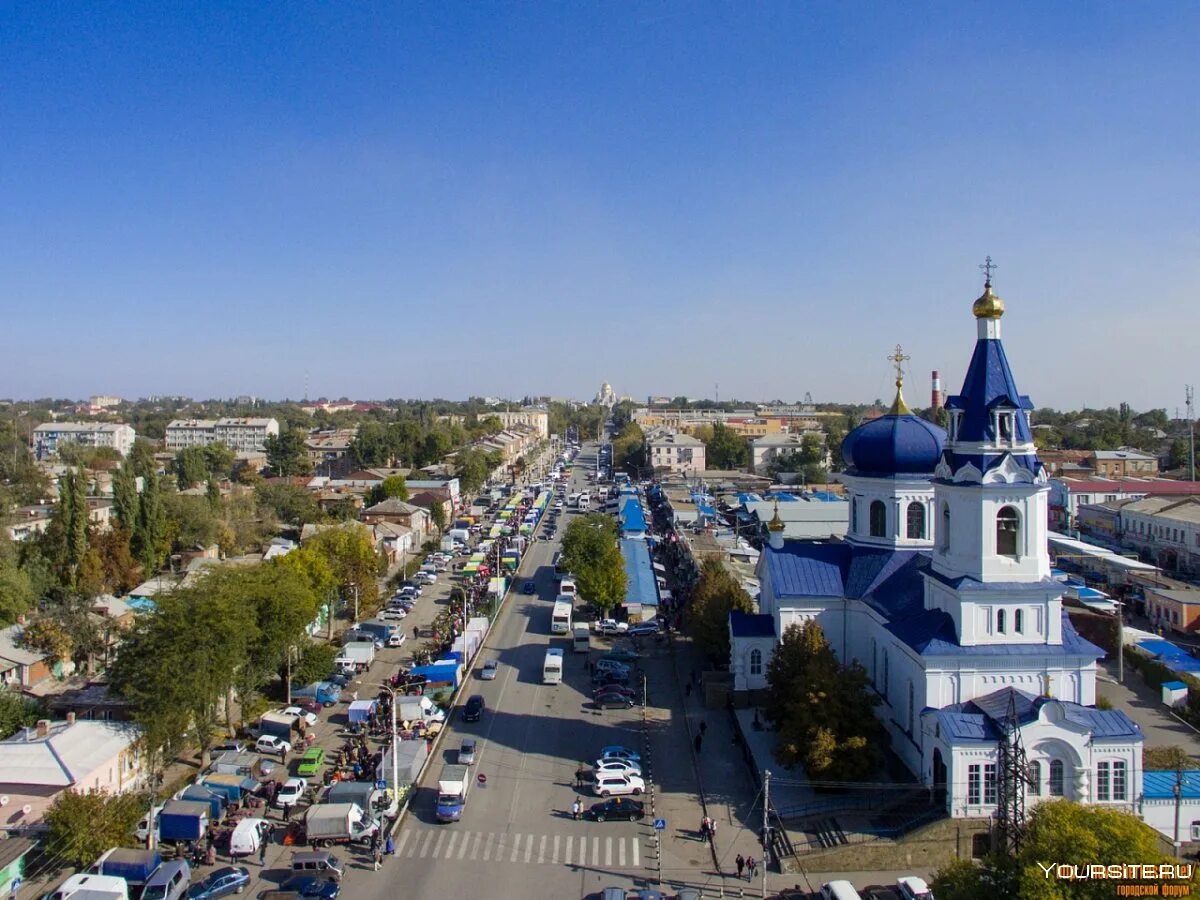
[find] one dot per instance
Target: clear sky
(407, 200)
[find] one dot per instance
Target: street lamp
(395, 748)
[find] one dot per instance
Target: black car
(605, 678)
(617, 808)
(612, 700)
(629, 692)
(311, 886)
(339, 679)
(529, 588)
(474, 708)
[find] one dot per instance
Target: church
(942, 591)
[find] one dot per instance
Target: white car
(393, 612)
(310, 718)
(615, 784)
(290, 792)
(618, 767)
(488, 672)
(397, 639)
(913, 888)
(427, 577)
(268, 743)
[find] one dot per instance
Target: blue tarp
(706, 510)
(641, 586)
(1174, 658)
(633, 521)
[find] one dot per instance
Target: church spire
(899, 407)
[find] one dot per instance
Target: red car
(311, 706)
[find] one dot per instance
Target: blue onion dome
(898, 443)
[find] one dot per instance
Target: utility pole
(289, 675)
(1178, 804)
(1190, 394)
(766, 830)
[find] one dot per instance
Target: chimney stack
(937, 396)
(43, 728)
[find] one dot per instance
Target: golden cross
(899, 359)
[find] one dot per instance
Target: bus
(560, 618)
(567, 587)
(582, 639)
(585, 501)
(552, 666)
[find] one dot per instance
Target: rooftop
(69, 752)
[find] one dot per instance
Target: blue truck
(135, 866)
(383, 630)
(324, 692)
(200, 794)
(183, 820)
(453, 784)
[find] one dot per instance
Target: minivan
(170, 881)
(320, 863)
(839, 890)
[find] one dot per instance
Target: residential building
(1176, 608)
(1164, 530)
(329, 451)
(942, 591)
(39, 763)
(754, 426)
(537, 419)
(398, 512)
(28, 521)
(104, 401)
(765, 450)
(428, 498)
(22, 669)
(49, 437)
(1067, 494)
(447, 486)
(1123, 463)
(676, 452)
(242, 435)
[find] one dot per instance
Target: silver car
(466, 753)
(488, 672)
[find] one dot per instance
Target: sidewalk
(1144, 705)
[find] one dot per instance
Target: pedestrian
(751, 865)
(703, 727)
(378, 858)
(390, 847)
(712, 831)
(740, 862)
(704, 828)
(262, 849)
(698, 740)
(283, 756)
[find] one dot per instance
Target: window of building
(1008, 531)
(1102, 783)
(755, 662)
(1035, 778)
(1019, 621)
(874, 660)
(1056, 778)
(1000, 621)
(974, 785)
(1196, 831)
(1005, 427)
(1118, 780)
(989, 783)
(916, 520)
(878, 518)
(945, 534)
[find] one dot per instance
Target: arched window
(945, 526)
(1008, 531)
(916, 520)
(1035, 778)
(878, 519)
(1019, 621)
(854, 514)
(1056, 778)
(1000, 621)
(755, 662)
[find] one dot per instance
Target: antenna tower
(1190, 394)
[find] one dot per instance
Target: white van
(839, 890)
(248, 836)
(108, 887)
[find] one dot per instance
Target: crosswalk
(527, 849)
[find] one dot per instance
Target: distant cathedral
(942, 591)
(605, 397)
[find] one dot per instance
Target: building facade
(677, 453)
(49, 437)
(537, 419)
(241, 435)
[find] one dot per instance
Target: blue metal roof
(808, 570)
(893, 445)
(751, 625)
(640, 587)
(1159, 784)
(984, 718)
(989, 383)
(931, 633)
(632, 517)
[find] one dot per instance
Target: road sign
(660, 824)
(381, 785)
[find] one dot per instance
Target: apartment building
(242, 435)
(676, 452)
(537, 419)
(49, 437)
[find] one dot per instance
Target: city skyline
(447, 202)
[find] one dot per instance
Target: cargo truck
(338, 823)
(135, 866)
(324, 692)
(361, 652)
(183, 820)
(419, 709)
(87, 886)
(453, 784)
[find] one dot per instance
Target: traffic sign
(660, 824)
(381, 785)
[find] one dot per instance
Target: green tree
(125, 496)
(316, 661)
(472, 469)
(17, 595)
(212, 493)
(82, 825)
(16, 712)
(289, 502)
(351, 557)
(394, 486)
(822, 709)
(219, 460)
(286, 453)
(591, 553)
(190, 520)
(191, 467)
(716, 595)
(151, 538)
(726, 449)
(437, 514)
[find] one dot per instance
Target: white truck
(338, 823)
(453, 785)
(361, 653)
(87, 886)
(419, 709)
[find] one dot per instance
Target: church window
(989, 783)
(878, 518)
(945, 534)
(1001, 625)
(1005, 427)
(755, 662)
(1102, 783)
(874, 660)
(1008, 531)
(854, 514)
(974, 782)
(916, 520)
(1019, 621)
(1056, 778)
(1118, 780)
(1035, 778)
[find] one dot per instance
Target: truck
(135, 866)
(283, 727)
(232, 787)
(183, 820)
(327, 824)
(374, 626)
(362, 652)
(324, 692)
(249, 764)
(362, 794)
(88, 886)
(198, 792)
(421, 708)
(453, 784)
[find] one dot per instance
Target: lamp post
(395, 749)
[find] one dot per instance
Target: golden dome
(989, 305)
(776, 523)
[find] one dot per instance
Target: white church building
(942, 591)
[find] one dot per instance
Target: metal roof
(751, 625)
(641, 586)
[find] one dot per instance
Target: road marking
(608, 851)
(541, 851)
(462, 851)
(425, 846)
(450, 844)
(412, 851)
(487, 848)
(438, 845)
(554, 859)
(529, 847)
(635, 853)
(516, 847)
(403, 840)
(621, 853)
(595, 851)
(570, 846)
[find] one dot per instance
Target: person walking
(378, 857)
(751, 866)
(390, 846)
(704, 828)
(741, 864)
(712, 831)
(262, 848)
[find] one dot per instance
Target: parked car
(312, 886)
(612, 700)
(291, 792)
(473, 709)
(269, 743)
(913, 888)
(311, 762)
(618, 808)
(621, 655)
(616, 751)
(397, 639)
(310, 718)
(221, 883)
(611, 785)
(614, 688)
(393, 613)
(229, 747)
(529, 588)
(341, 679)
(488, 672)
(643, 629)
(619, 767)
(466, 752)
(601, 679)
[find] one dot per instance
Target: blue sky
(405, 200)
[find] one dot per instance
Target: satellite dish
(3, 801)
(26, 809)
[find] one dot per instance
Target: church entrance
(939, 780)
